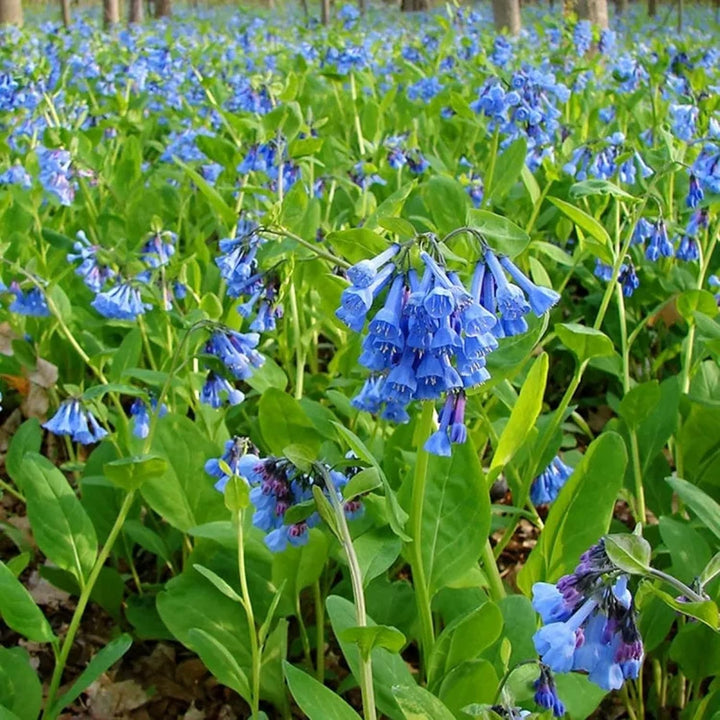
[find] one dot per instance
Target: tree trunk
(652, 8)
(111, 13)
(414, 5)
(596, 11)
(11, 12)
(621, 6)
(136, 12)
(65, 10)
(680, 16)
(163, 8)
(507, 16)
(551, 4)
(325, 12)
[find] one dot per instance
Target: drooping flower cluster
(76, 421)
(94, 274)
(30, 302)
(400, 155)
(239, 268)
(276, 485)
(546, 486)
(627, 277)
(546, 695)
(601, 161)
(432, 335)
(140, 414)
(236, 351)
(590, 622)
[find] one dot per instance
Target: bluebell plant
(276, 485)
(77, 422)
(546, 487)
(589, 622)
(430, 338)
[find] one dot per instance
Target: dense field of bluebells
(394, 343)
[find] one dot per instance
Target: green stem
(319, 633)
(366, 679)
(640, 511)
(252, 630)
(705, 259)
(358, 127)
(10, 489)
(686, 591)
(52, 712)
(299, 349)
(309, 246)
(422, 593)
(497, 591)
(304, 638)
(491, 169)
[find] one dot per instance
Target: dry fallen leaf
(108, 700)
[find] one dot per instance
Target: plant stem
(687, 592)
(491, 169)
(497, 591)
(640, 512)
(358, 127)
(309, 246)
(51, 712)
(252, 630)
(319, 633)
(366, 678)
(299, 350)
(422, 593)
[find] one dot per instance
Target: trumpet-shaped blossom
(94, 274)
(121, 302)
(74, 420)
(31, 302)
(430, 337)
(546, 486)
(589, 622)
(276, 485)
(141, 416)
(236, 351)
(217, 390)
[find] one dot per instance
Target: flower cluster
(74, 420)
(590, 622)
(31, 303)
(239, 268)
(603, 163)
(94, 274)
(546, 486)
(276, 485)
(431, 336)
(546, 695)
(627, 277)
(140, 414)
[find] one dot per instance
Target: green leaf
(236, 494)
(268, 375)
(396, 515)
(19, 610)
(218, 582)
(363, 482)
(699, 502)
(214, 198)
(584, 342)
(629, 552)
(467, 681)
(62, 528)
(399, 226)
(130, 473)
(126, 356)
(389, 669)
(531, 184)
(524, 413)
(300, 456)
(368, 638)
(688, 548)
(298, 513)
(502, 234)
(638, 403)
(586, 188)
(314, 699)
(181, 495)
(20, 689)
(706, 612)
(692, 301)
(357, 244)
(325, 510)
(584, 221)
(283, 422)
(377, 549)
(696, 649)
(508, 168)
(215, 627)
(581, 514)
(417, 703)
(300, 567)
(101, 662)
(27, 438)
(447, 202)
(464, 638)
(220, 661)
(711, 571)
(456, 516)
